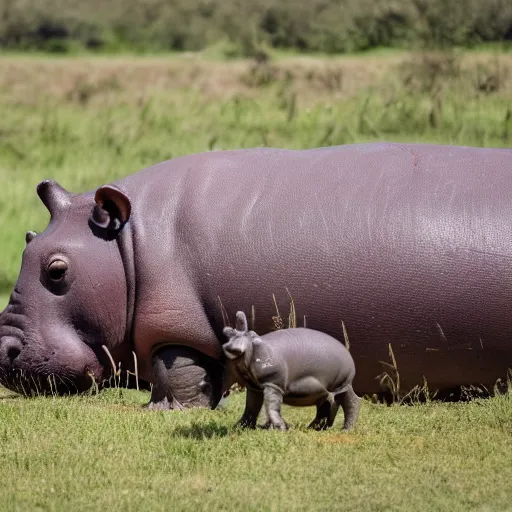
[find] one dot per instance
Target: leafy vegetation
(244, 27)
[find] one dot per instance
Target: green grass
(106, 453)
(87, 121)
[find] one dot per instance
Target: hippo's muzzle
(28, 365)
(233, 352)
(237, 348)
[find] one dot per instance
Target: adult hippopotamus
(407, 245)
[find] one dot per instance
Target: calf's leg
(253, 404)
(273, 400)
(325, 414)
(350, 403)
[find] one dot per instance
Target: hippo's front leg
(183, 377)
(273, 400)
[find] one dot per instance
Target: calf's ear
(241, 321)
(112, 209)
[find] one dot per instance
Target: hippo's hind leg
(273, 399)
(253, 404)
(183, 378)
(326, 412)
(350, 403)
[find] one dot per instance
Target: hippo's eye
(57, 270)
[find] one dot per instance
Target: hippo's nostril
(13, 352)
(10, 347)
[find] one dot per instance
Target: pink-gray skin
(296, 366)
(407, 245)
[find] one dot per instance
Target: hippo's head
(71, 296)
(240, 340)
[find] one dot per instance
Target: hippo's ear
(241, 321)
(53, 196)
(30, 236)
(112, 209)
(229, 332)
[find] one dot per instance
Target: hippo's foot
(253, 404)
(325, 415)
(163, 405)
(184, 378)
(280, 426)
(350, 403)
(319, 424)
(273, 399)
(245, 423)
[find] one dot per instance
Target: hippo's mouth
(29, 375)
(31, 367)
(30, 383)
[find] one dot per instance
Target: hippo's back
(309, 352)
(407, 245)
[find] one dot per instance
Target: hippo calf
(297, 366)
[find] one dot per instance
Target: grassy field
(86, 121)
(106, 453)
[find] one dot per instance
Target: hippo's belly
(304, 401)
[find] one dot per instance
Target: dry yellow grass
(129, 79)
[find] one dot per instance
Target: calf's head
(239, 346)
(70, 298)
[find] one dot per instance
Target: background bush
(241, 27)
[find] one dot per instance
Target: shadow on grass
(201, 431)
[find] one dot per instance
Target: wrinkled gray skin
(297, 366)
(408, 245)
